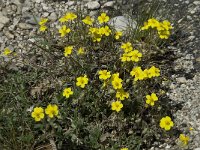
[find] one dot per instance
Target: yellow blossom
(103, 18)
(43, 28)
(118, 34)
(68, 16)
(38, 113)
(82, 81)
(64, 30)
(121, 94)
(67, 92)
(166, 123)
(184, 139)
(117, 83)
(43, 21)
(88, 20)
(104, 74)
(164, 34)
(137, 73)
(124, 149)
(81, 51)
(153, 23)
(7, 52)
(52, 110)
(68, 50)
(150, 99)
(127, 47)
(117, 106)
(153, 72)
(95, 34)
(105, 31)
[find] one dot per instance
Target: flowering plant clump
(100, 86)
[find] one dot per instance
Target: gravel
(17, 25)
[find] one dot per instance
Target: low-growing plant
(91, 87)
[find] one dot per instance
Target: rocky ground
(17, 26)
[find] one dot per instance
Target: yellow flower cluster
(130, 54)
(163, 28)
(88, 20)
(97, 33)
(42, 23)
(68, 17)
(38, 112)
(139, 74)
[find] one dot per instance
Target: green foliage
(85, 119)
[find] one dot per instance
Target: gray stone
(198, 59)
(70, 3)
(93, 5)
(25, 26)
(109, 4)
(3, 19)
(196, 2)
(8, 34)
(1, 26)
(181, 80)
(53, 16)
(30, 19)
(122, 23)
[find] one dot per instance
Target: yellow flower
(117, 106)
(52, 110)
(117, 83)
(115, 75)
(64, 30)
(67, 17)
(43, 28)
(82, 81)
(124, 149)
(104, 74)
(164, 34)
(150, 99)
(81, 51)
(127, 47)
(137, 73)
(105, 31)
(153, 23)
(121, 94)
(88, 20)
(7, 52)
(166, 25)
(43, 21)
(134, 56)
(118, 34)
(184, 139)
(153, 72)
(38, 113)
(166, 123)
(67, 92)
(96, 34)
(68, 50)
(146, 26)
(103, 18)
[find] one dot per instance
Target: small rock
(1, 26)
(109, 4)
(45, 14)
(198, 59)
(25, 26)
(181, 80)
(30, 19)
(53, 16)
(121, 23)
(9, 35)
(38, 1)
(196, 2)
(93, 5)
(70, 3)
(3, 20)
